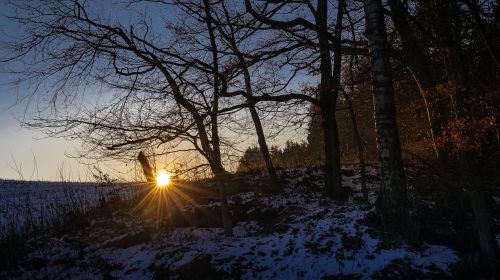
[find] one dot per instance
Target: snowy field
(29, 205)
(295, 235)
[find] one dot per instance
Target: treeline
(381, 79)
(293, 154)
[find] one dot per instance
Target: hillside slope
(295, 235)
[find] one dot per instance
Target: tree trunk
(360, 148)
(214, 152)
(449, 26)
(226, 216)
(230, 38)
(332, 154)
(358, 138)
(392, 202)
(264, 148)
(221, 179)
(328, 97)
(146, 167)
(482, 218)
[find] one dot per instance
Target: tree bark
(392, 202)
(482, 217)
(328, 97)
(221, 179)
(449, 27)
(360, 148)
(264, 148)
(215, 154)
(327, 94)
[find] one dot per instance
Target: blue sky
(36, 156)
(19, 146)
(29, 154)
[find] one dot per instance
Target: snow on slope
(295, 235)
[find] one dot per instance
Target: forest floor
(298, 234)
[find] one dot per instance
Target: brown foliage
(466, 135)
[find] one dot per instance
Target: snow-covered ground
(295, 235)
(28, 205)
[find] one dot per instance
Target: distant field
(30, 205)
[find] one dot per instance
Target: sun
(163, 179)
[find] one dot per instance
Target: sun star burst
(163, 179)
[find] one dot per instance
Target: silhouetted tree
(329, 78)
(166, 94)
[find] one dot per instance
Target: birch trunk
(392, 202)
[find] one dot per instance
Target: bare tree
(330, 78)
(163, 96)
(393, 201)
(226, 25)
